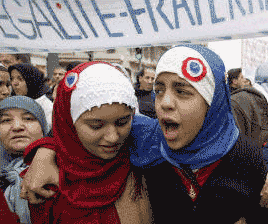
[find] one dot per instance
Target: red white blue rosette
(193, 69)
(71, 80)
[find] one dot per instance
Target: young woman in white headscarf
(93, 113)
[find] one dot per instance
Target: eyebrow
(176, 84)
(99, 120)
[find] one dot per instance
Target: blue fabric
(215, 139)
(12, 192)
(11, 166)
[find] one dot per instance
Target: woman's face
(103, 130)
(180, 109)
(18, 83)
(5, 87)
(18, 129)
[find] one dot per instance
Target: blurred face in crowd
(147, 80)
(5, 85)
(180, 108)
(103, 130)
(18, 83)
(58, 74)
(8, 60)
(240, 81)
(19, 128)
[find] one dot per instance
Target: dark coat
(232, 190)
(250, 111)
(146, 100)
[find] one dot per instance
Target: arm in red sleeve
(30, 151)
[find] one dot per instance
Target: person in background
(58, 75)
(144, 92)
(5, 84)
(22, 121)
(26, 80)
(72, 65)
(12, 59)
(249, 106)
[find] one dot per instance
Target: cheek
(88, 136)
(35, 130)
(194, 114)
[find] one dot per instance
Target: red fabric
(30, 151)
(201, 177)
(6, 216)
(89, 185)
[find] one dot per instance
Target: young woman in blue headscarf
(197, 166)
(22, 121)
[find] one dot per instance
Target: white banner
(84, 25)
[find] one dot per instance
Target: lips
(110, 149)
(170, 128)
(19, 137)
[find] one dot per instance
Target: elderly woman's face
(180, 108)
(18, 83)
(103, 130)
(18, 129)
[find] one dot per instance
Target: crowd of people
(187, 143)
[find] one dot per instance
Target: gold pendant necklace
(192, 193)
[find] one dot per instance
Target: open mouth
(170, 128)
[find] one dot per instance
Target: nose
(168, 102)
(151, 81)
(6, 91)
(111, 134)
(18, 125)
(15, 82)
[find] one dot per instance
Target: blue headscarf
(214, 140)
(11, 166)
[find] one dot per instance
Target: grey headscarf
(261, 76)
(11, 167)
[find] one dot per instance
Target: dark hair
(25, 58)
(129, 71)
(233, 74)
(139, 74)
(72, 65)
(3, 68)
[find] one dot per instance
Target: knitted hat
(91, 90)
(190, 65)
(26, 103)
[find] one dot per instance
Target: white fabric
(47, 106)
(172, 61)
(101, 84)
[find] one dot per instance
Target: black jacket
(250, 110)
(231, 191)
(146, 100)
